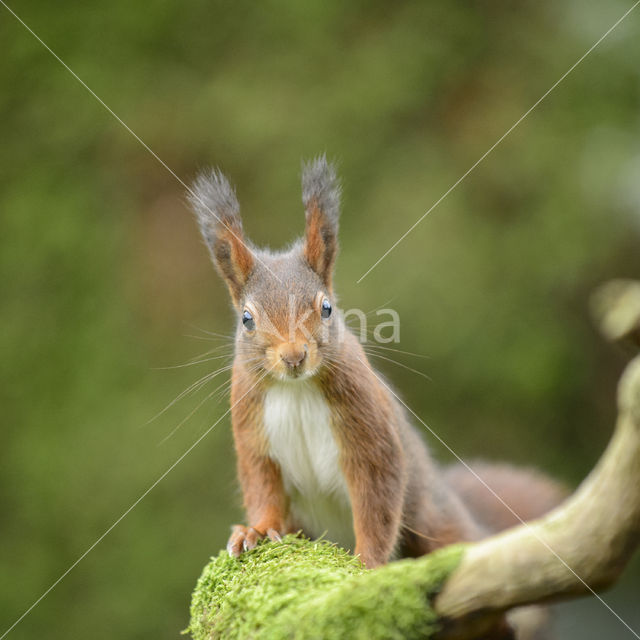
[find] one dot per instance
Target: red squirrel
(322, 443)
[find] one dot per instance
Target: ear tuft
(217, 210)
(320, 184)
(321, 199)
(215, 204)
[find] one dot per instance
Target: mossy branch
(304, 589)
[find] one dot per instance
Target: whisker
(207, 397)
(260, 379)
(400, 364)
(214, 349)
(421, 535)
(408, 353)
(192, 362)
(205, 338)
(212, 333)
(192, 387)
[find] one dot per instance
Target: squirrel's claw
(251, 539)
(246, 538)
(273, 535)
(236, 540)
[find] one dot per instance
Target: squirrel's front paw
(246, 538)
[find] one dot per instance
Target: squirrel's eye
(248, 321)
(325, 312)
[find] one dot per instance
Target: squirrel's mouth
(294, 374)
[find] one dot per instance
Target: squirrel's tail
(527, 493)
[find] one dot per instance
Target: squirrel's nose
(293, 355)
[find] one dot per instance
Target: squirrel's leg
(264, 501)
(376, 488)
(264, 498)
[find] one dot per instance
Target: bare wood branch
(582, 545)
(616, 308)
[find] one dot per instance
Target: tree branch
(583, 545)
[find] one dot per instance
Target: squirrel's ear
(218, 213)
(321, 199)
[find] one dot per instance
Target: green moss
(305, 589)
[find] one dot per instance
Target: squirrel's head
(284, 301)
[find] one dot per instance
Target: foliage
(102, 272)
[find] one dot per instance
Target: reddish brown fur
(233, 257)
(264, 500)
(401, 501)
(522, 494)
(372, 455)
(320, 247)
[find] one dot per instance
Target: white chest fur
(297, 422)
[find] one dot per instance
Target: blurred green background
(103, 277)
